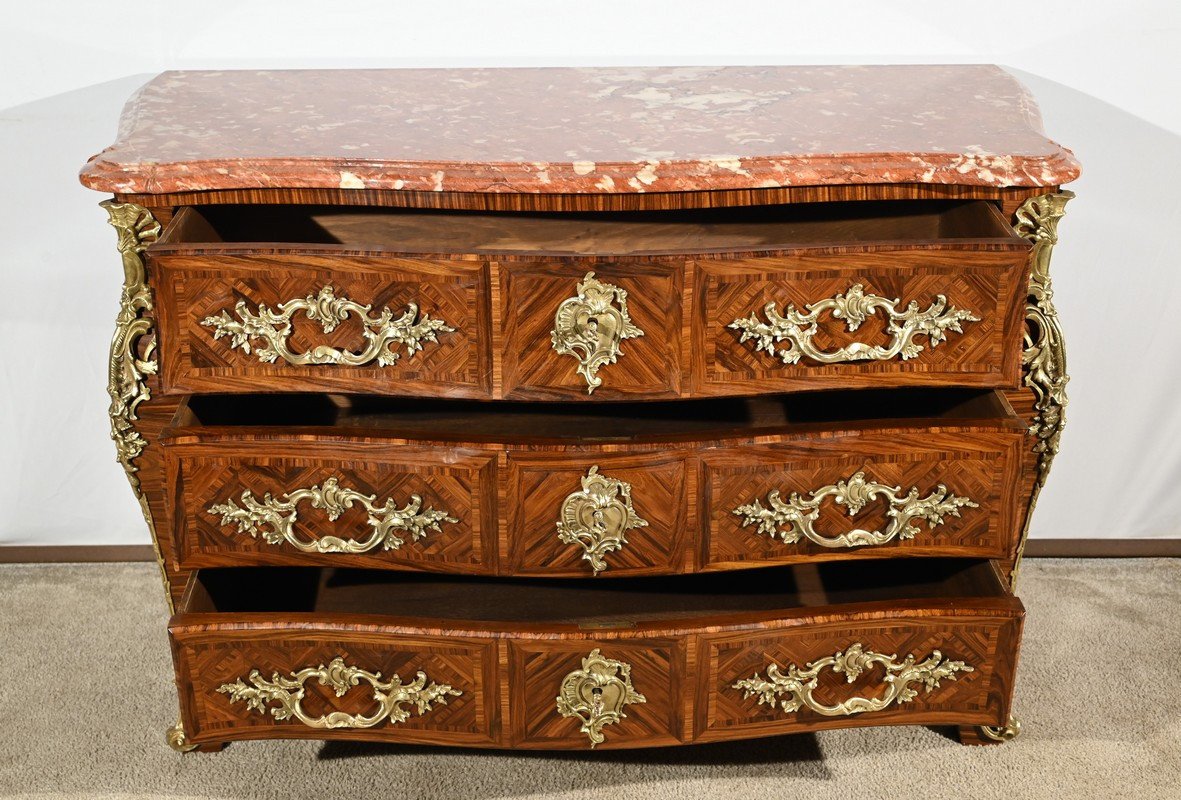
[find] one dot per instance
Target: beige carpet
(85, 696)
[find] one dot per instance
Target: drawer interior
(587, 602)
(462, 420)
(592, 233)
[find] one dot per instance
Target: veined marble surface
(593, 130)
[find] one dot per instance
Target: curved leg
(988, 734)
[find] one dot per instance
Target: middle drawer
(560, 491)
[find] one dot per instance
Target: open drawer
(608, 305)
(567, 491)
(322, 653)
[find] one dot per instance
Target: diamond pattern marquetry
(982, 645)
(510, 678)
(460, 489)
(985, 352)
(538, 669)
(658, 491)
(983, 467)
(192, 359)
(507, 500)
(502, 311)
(462, 665)
(648, 365)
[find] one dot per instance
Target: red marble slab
(600, 130)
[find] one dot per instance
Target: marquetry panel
(982, 466)
(537, 485)
(462, 485)
(1023, 403)
(988, 645)
(508, 498)
(194, 287)
(511, 665)
(206, 662)
(155, 415)
(530, 294)
(536, 672)
(989, 283)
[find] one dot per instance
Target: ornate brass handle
(793, 520)
(598, 517)
(589, 327)
(597, 693)
(392, 696)
(275, 518)
(854, 306)
(793, 690)
(274, 329)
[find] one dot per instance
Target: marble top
(594, 130)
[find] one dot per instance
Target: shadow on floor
(773, 750)
(538, 772)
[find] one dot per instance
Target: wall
(1105, 74)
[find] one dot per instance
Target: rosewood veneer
(587, 408)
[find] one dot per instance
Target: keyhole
(599, 524)
(597, 699)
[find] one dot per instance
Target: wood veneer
(507, 644)
(717, 239)
(499, 278)
(1009, 199)
(1006, 196)
(503, 473)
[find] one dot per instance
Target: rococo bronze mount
(465, 433)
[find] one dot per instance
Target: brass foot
(989, 734)
(180, 743)
(176, 739)
(1006, 733)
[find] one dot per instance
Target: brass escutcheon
(590, 327)
(598, 517)
(597, 694)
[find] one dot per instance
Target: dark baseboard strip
(83, 553)
(1103, 548)
(1037, 548)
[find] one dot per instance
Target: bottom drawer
(335, 653)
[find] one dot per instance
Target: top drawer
(603, 306)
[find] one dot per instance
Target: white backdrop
(1107, 76)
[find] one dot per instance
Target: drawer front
(582, 514)
(929, 493)
(630, 665)
(339, 494)
(849, 319)
(358, 504)
(302, 683)
(298, 321)
(554, 702)
(580, 329)
(941, 670)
